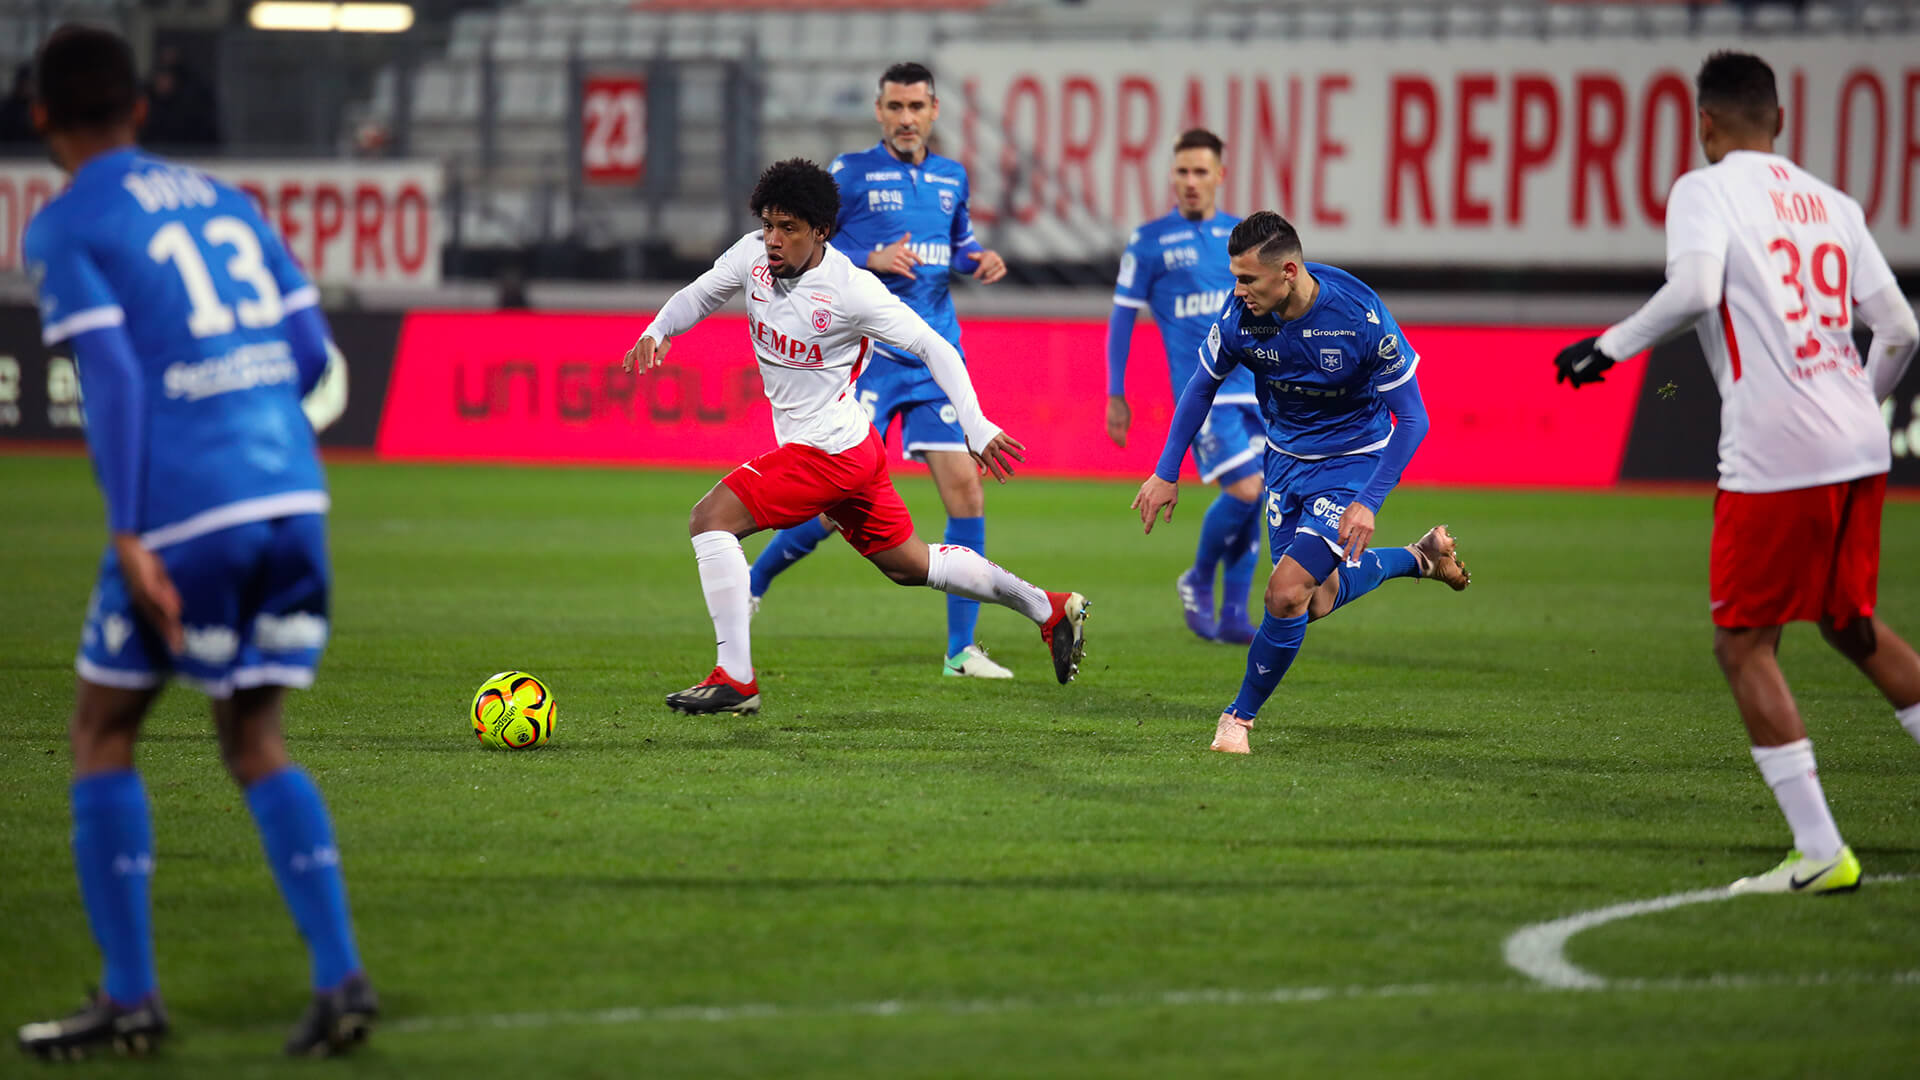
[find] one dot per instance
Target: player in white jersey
(813, 317)
(1767, 264)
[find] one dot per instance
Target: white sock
(1909, 718)
(967, 573)
(723, 577)
(1789, 770)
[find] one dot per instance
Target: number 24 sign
(613, 118)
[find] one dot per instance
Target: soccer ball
(513, 711)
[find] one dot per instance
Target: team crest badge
(1330, 359)
(821, 317)
(946, 202)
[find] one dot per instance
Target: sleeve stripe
(82, 321)
(1210, 372)
(1408, 374)
(305, 296)
(1128, 301)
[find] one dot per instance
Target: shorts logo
(115, 629)
(948, 415)
(821, 318)
(1330, 359)
(290, 632)
(1328, 511)
(212, 644)
(946, 202)
(1389, 347)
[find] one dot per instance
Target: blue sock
(1243, 558)
(1376, 565)
(113, 852)
(788, 546)
(1225, 520)
(962, 614)
(298, 837)
(1268, 659)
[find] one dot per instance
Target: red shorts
(787, 486)
(1796, 556)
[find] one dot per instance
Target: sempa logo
(821, 319)
(946, 202)
(1330, 359)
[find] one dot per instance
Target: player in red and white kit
(813, 316)
(1768, 263)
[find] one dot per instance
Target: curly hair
(799, 187)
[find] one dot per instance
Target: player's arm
(80, 311)
(1130, 291)
(1402, 395)
(1697, 241)
(1161, 491)
(882, 316)
(684, 309)
(301, 322)
(969, 255)
(1884, 308)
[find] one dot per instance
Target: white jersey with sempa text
(813, 334)
(1798, 407)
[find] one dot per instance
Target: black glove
(1581, 363)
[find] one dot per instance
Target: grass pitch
(893, 874)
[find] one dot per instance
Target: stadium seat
(1719, 21)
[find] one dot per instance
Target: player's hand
(1581, 363)
(991, 269)
(999, 455)
(895, 258)
(1119, 418)
(154, 596)
(1155, 495)
(644, 356)
(1356, 529)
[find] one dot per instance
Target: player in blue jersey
(1176, 266)
(903, 215)
(1335, 379)
(195, 335)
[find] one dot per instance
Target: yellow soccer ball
(513, 711)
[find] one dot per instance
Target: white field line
(1284, 995)
(1539, 951)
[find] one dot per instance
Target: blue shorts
(1305, 500)
(253, 600)
(889, 388)
(1232, 444)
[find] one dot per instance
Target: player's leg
(878, 526)
(278, 578)
(1886, 660)
(930, 433)
(787, 547)
(957, 478)
(296, 832)
(1242, 497)
(113, 858)
(1761, 579)
(1273, 649)
(1848, 623)
(717, 523)
(122, 666)
(1434, 556)
(1229, 451)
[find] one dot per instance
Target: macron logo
(1372, 318)
(1264, 669)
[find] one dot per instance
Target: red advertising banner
(1473, 152)
(548, 387)
(613, 137)
(348, 223)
